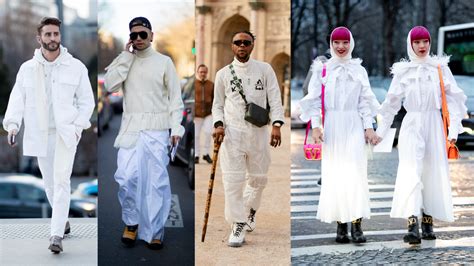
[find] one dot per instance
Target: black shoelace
(251, 217)
(240, 227)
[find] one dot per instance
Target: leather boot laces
(357, 221)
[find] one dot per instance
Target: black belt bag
(254, 113)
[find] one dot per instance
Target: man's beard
(244, 58)
(52, 46)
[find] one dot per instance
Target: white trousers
(204, 125)
(56, 169)
(245, 160)
(144, 186)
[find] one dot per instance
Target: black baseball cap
(139, 21)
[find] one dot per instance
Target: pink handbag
(313, 151)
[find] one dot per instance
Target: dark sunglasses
(240, 42)
(134, 35)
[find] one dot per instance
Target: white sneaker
(237, 236)
(251, 223)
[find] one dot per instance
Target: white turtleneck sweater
(259, 83)
(152, 94)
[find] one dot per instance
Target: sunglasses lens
(244, 42)
(133, 36)
(143, 35)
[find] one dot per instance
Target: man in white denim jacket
(53, 96)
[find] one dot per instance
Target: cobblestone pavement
(313, 241)
(451, 255)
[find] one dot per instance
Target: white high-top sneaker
(237, 236)
(251, 223)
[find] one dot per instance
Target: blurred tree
(389, 19)
(338, 12)
(109, 48)
(379, 27)
(177, 41)
(444, 7)
(4, 84)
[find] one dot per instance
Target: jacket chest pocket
(66, 88)
(257, 90)
(30, 92)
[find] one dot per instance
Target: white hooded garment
(423, 177)
(350, 106)
(72, 102)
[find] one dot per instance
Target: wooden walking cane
(217, 145)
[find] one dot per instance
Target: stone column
(202, 10)
(257, 27)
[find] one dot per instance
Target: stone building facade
(269, 21)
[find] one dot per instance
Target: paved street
(26, 241)
(313, 241)
(179, 233)
(269, 243)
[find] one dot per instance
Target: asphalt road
(179, 233)
(313, 240)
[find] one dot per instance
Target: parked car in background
(23, 196)
(296, 96)
(103, 106)
(116, 100)
(466, 139)
(87, 190)
(185, 151)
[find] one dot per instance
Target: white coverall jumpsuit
(245, 151)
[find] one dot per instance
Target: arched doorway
(231, 25)
(281, 65)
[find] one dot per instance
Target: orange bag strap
(444, 105)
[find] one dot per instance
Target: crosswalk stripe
(305, 171)
(305, 177)
(456, 209)
(318, 189)
(305, 190)
(463, 201)
(313, 207)
(372, 195)
(313, 217)
(374, 205)
(303, 183)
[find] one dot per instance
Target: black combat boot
(356, 231)
(413, 236)
(427, 228)
(341, 236)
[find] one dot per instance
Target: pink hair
(341, 33)
(419, 33)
